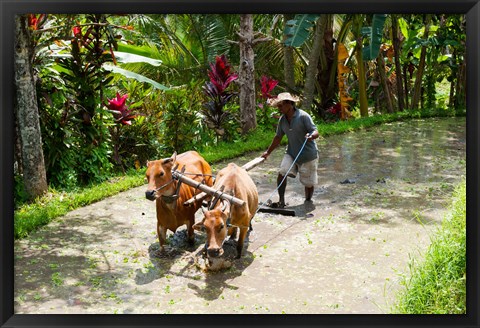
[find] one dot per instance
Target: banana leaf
(132, 75)
(125, 57)
(298, 30)
(374, 35)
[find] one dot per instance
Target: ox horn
(217, 197)
(224, 207)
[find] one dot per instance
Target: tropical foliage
(117, 90)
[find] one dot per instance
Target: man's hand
(311, 136)
(265, 154)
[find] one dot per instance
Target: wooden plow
(218, 194)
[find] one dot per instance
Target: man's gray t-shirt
(300, 125)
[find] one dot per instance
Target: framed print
(121, 119)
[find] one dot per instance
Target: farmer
(298, 126)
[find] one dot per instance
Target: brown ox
(171, 213)
(225, 216)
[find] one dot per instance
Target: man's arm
(275, 142)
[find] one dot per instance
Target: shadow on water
(58, 265)
(217, 281)
(177, 247)
(180, 255)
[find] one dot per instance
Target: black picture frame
(9, 8)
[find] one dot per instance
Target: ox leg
(190, 234)
(162, 237)
(232, 232)
(241, 238)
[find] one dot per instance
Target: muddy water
(380, 195)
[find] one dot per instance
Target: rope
(286, 174)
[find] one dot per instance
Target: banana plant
(373, 34)
(299, 29)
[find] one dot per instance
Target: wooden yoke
(248, 166)
(203, 187)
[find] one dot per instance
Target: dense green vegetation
(116, 90)
(437, 284)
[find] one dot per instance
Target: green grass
(258, 140)
(29, 217)
(437, 285)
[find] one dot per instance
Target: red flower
(77, 31)
(119, 110)
(268, 84)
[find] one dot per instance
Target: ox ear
(199, 226)
(170, 160)
(148, 163)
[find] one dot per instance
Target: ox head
(159, 177)
(215, 224)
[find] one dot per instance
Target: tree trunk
(460, 101)
(451, 98)
(398, 65)
(417, 91)
(17, 154)
(312, 69)
(34, 174)
(406, 81)
(383, 79)
(460, 92)
(362, 84)
(246, 76)
(327, 68)
(288, 62)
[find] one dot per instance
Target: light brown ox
(171, 213)
(225, 216)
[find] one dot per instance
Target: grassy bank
(30, 216)
(437, 285)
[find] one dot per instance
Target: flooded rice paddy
(381, 194)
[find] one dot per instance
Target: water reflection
(415, 150)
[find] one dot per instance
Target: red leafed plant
(333, 113)
(35, 22)
(122, 115)
(221, 76)
(335, 109)
(265, 116)
(119, 110)
(267, 86)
